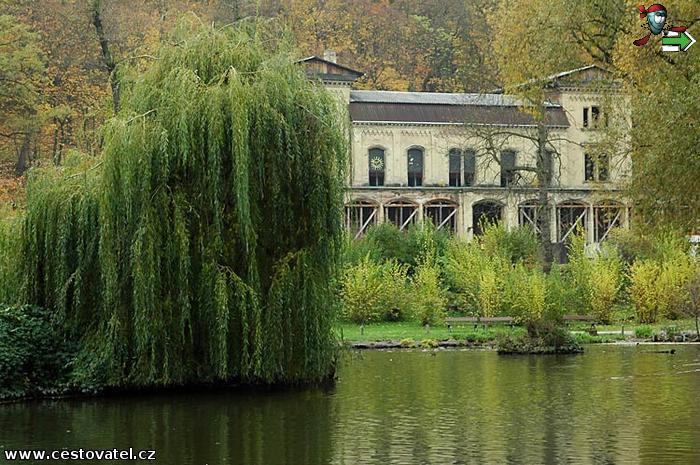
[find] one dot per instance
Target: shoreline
(490, 345)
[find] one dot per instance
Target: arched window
(606, 216)
(359, 216)
(401, 213)
(443, 214)
(570, 216)
(528, 215)
(485, 213)
(377, 165)
(462, 167)
(415, 167)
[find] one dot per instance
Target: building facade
(458, 160)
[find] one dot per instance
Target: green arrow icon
(684, 40)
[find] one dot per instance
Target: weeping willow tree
(203, 244)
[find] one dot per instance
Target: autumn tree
(525, 70)
(21, 70)
(663, 92)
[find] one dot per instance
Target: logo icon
(675, 37)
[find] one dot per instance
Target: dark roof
(436, 98)
(432, 108)
(327, 70)
(574, 77)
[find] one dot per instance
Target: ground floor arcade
(464, 211)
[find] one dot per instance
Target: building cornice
(433, 124)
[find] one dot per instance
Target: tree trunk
(23, 157)
(107, 57)
(544, 178)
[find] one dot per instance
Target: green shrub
(636, 244)
(374, 291)
(386, 242)
(489, 294)
(643, 290)
(396, 299)
(597, 279)
(659, 288)
(603, 286)
(429, 297)
(643, 332)
(362, 291)
(676, 272)
(474, 277)
(562, 296)
(542, 337)
(526, 294)
(34, 355)
(514, 245)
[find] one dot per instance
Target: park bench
(485, 321)
(592, 330)
(579, 318)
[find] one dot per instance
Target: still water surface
(611, 405)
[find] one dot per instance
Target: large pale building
(460, 159)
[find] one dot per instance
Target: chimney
(330, 55)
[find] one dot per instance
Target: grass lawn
(398, 331)
(680, 325)
(413, 330)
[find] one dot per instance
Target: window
(359, 216)
(401, 213)
(455, 168)
(484, 214)
(507, 168)
(595, 116)
(462, 168)
(376, 167)
(570, 216)
(469, 167)
(528, 215)
(415, 167)
(606, 216)
(443, 214)
(597, 167)
(591, 118)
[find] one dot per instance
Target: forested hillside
(63, 60)
(64, 63)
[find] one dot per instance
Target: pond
(614, 404)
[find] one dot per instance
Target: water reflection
(611, 405)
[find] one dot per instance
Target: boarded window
(359, 216)
(377, 164)
(528, 215)
(570, 217)
(606, 216)
(415, 167)
(443, 214)
(484, 214)
(455, 168)
(507, 168)
(401, 213)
